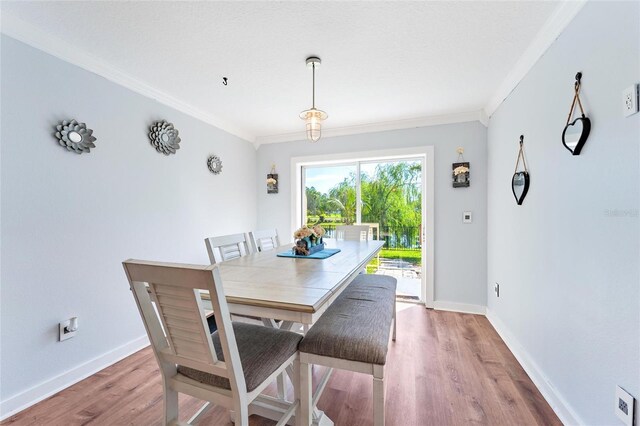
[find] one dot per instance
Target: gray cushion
(262, 350)
(374, 281)
(356, 326)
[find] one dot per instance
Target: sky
(326, 177)
(323, 178)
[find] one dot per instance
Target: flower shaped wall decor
(164, 137)
(214, 164)
(75, 136)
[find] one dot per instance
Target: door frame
(424, 153)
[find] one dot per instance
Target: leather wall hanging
(521, 179)
(576, 132)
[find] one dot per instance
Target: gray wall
(459, 273)
(567, 260)
(68, 220)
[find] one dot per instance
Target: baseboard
(559, 405)
(31, 396)
(465, 308)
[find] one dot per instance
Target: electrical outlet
(630, 100)
(68, 328)
(466, 217)
(496, 288)
(625, 404)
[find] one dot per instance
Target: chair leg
(241, 413)
(296, 391)
(378, 395)
(170, 406)
(306, 395)
(395, 320)
(281, 385)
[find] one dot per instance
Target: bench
(353, 335)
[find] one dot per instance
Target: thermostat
(466, 217)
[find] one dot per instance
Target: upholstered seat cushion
(262, 351)
(373, 281)
(356, 326)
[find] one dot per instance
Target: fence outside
(395, 237)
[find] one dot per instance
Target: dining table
(284, 291)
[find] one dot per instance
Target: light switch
(466, 217)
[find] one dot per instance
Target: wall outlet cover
(467, 217)
(625, 404)
(63, 334)
(630, 100)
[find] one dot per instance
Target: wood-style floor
(444, 369)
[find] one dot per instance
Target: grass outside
(410, 255)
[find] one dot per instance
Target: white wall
(459, 273)
(68, 220)
(567, 260)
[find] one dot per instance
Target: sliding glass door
(385, 194)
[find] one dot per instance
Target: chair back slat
(264, 240)
(227, 247)
(177, 326)
(353, 232)
(183, 320)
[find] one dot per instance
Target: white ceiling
(381, 61)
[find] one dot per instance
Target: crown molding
(463, 117)
(550, 31)
(33, 36)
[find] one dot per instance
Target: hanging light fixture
(313, 117)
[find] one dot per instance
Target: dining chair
(230, 367)
(353, 232)
(227, 247)
(264, 240)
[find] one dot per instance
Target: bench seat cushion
(262, 351)
(356, 326)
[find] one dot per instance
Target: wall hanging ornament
(75, 136)
(214, 164)
(460, 171)
(576, 132)
(272, 181)
(521, 179)
(164, 137)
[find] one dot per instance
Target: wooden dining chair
(353, 232)
(264, 240)
(227, 247)
(230, 367)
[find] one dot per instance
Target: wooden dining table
(292, 290)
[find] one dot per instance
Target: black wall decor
(460, 172)
(521, 179)
(576, 132)
(272, 181)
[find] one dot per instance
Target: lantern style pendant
(313, 117)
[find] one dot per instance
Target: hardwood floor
(444, 369)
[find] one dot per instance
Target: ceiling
(382, 62)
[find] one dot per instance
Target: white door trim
(426, 153)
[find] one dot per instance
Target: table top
(268, 286)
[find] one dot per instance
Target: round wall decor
(75, 136)
(164, 137)
(214, 164)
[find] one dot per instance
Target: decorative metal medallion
(75, 136)
(214, 164)
(164, 137)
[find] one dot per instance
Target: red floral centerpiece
(308, 240)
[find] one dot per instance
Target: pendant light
(313, 117)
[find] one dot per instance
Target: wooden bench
(353, 334)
